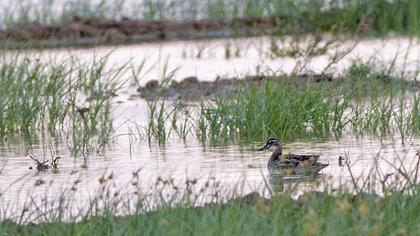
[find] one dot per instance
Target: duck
(290, 164)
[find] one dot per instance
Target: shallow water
(253, 58)
(238, 167)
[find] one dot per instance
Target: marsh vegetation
(50, 23)
(122, 146)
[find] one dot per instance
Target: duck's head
(272, 142)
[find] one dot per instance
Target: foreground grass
(313, 214)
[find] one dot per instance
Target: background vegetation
(377, 17)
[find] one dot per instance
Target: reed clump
(68, 99)
(362, 101)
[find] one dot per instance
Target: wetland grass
(377, 17)
(67, 99)
(292, 109)
(363, 101)
(73, 100)
(315, 214)
(382, 203)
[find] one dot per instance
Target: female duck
(290, 164)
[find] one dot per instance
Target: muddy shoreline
(94, 31)
(193, 89)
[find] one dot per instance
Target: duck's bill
(265, 147)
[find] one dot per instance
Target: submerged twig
(40, 166)
(54, 163)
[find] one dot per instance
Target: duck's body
(291, 164)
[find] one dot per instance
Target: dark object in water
(40, 166)
(340, 161)
(54, 163)
(43, 166)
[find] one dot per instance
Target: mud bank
(94, 31)
(191, 88)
